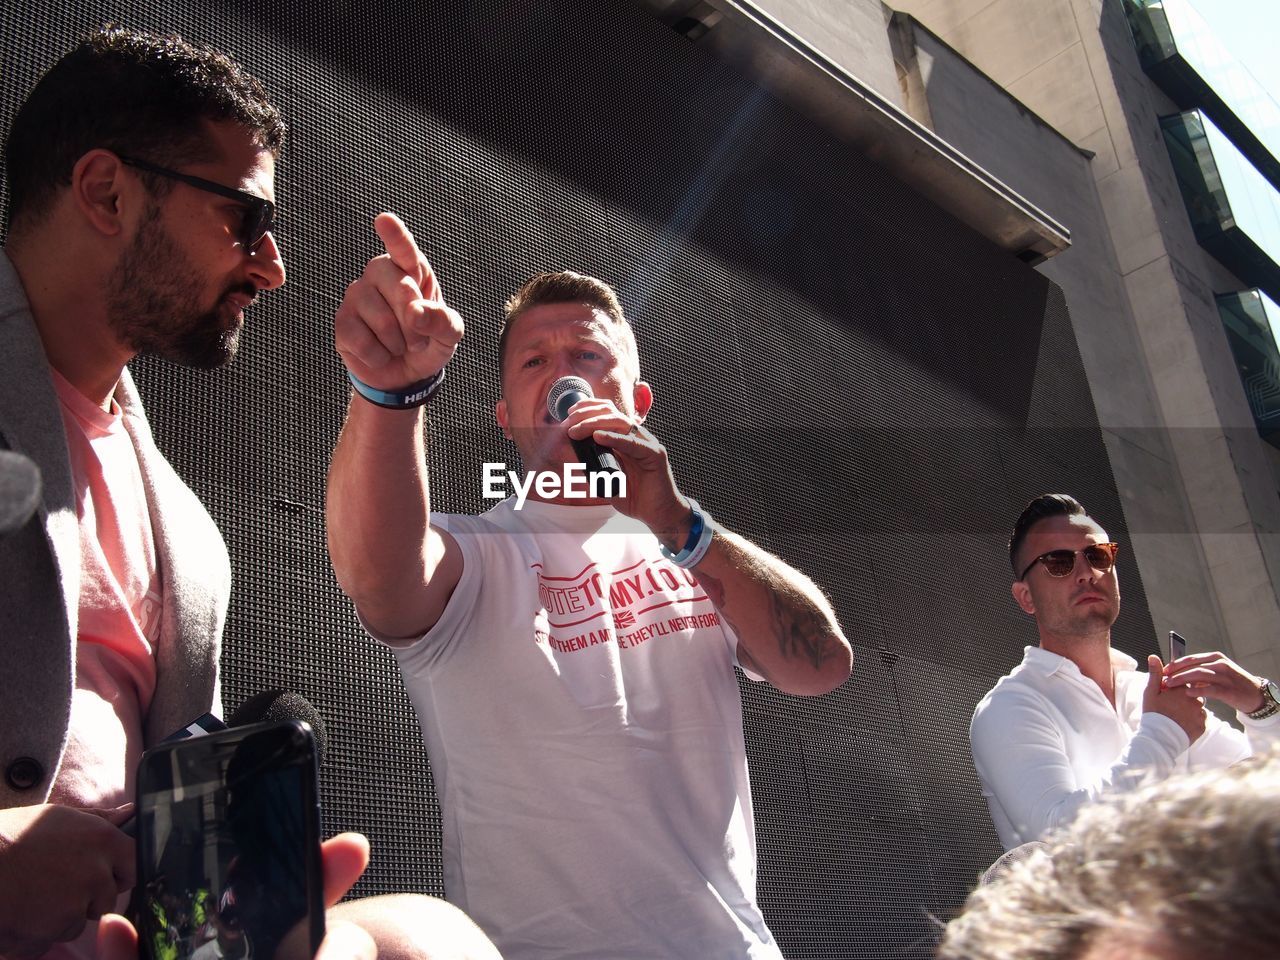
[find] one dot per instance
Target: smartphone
(1177, 646)
(228, 845)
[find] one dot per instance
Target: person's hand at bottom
(343, 859)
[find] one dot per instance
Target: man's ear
(100, 193)
(500, 414)
(642, 398)
(1022, 596)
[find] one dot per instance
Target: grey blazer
(40, 572)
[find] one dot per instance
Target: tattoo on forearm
(799, 630)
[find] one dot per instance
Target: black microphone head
(19, 490)
(564, 393)
(270, 706)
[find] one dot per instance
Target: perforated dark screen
(843, 374)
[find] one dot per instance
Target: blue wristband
(695, 548)
(406, 398)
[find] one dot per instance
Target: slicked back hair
(565, 286)
(1041, 508)
(133, 93)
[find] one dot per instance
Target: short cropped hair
(132, 93)
(1193, 859)
(1041, 508)
(565, 286)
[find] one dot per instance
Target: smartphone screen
(1177, 646)
(229, 845)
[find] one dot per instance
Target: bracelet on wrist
(1270, 701)
(699, 542)
(405, 398)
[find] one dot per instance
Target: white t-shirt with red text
(584, 726)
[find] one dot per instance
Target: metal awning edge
(740, 33)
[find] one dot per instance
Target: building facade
(1131, 124)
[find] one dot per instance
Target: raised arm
(393, 331)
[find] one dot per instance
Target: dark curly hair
(130, 92)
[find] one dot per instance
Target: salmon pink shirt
(119, 617)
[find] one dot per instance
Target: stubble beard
(1090, 622)
(153, 303)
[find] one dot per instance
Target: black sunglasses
(1060, 563)
(260, 216)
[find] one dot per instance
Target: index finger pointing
(404, 253)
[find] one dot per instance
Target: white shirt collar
(1046, 663)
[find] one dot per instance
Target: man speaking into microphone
(571, 661)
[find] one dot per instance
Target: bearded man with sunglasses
(1075, 719)
(140, 173)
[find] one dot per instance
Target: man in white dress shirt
(1075, 719)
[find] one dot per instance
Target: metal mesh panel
(843, 374)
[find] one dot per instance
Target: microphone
(273, 705)
(564, 393)
(19, 490)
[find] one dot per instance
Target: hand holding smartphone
(228, 844)
(1177, 650)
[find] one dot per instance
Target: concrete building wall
(975, 114)
(1197, 481)
(848, 32)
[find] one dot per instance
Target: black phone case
(228, 842)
